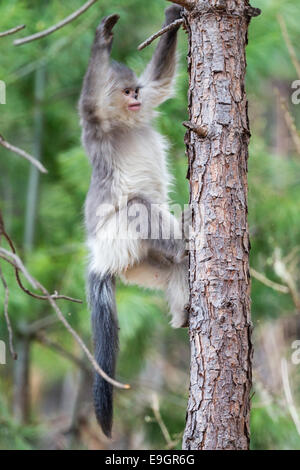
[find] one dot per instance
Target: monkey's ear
(106, 26)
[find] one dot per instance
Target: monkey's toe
(107, 24)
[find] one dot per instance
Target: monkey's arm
(159, 74)
(96, 78)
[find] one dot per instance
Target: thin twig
(155, 407)
(80, 341)
(12, 31)
(23, 154)
(15, 261)
(6, 315)
(284, 273)
(19, 265)
(290, 122)
(42, 339)
(38, 326)
(288, 394)
(289, 44)
(6, 254)
(164, 30)
(264, 280)
(59, 25)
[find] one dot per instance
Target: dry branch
(7, 255)
(6, 316)
(288, 394)
(23, 154)
(289, 44)
(281, 270)
(165, 432)
(164, 30)
(42, 339)
(52, 29)
(80, 341)
(264, 280)
(17, 263)
(12, 31)
(289, 120)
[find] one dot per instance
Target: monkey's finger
(111, 21)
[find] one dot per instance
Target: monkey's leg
(177, 293)
(169, 277)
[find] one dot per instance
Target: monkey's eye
(127, 91)
(137, 91)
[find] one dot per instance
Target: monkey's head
(125, 93)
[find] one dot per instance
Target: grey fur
(128, 161)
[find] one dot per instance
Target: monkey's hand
(104, 31)
(173, 13)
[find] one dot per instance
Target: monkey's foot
(104, 29)
(181, 319)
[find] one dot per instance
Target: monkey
(131, 232)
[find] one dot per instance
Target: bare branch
(12, 31)
(37, 326)
(164, 30)
(201, 131)
(42, 339)
(165, 432)
(289, 44)
(15, 260)
(290, 122)
(6, 255)
(80, 341)
(23, 154)
(264, 280)
(288, 394)
(6, 315)
(284, 273)
(59, 25)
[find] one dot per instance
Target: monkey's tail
(105, 333)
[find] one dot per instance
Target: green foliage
(13, 435)
(153, 358)
(273, 429)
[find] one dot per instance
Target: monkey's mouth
(134, 107)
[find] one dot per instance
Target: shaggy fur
(131, 232)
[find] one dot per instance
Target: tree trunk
(217, 148)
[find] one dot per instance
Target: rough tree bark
(217, 148)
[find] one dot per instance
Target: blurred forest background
(45, 396)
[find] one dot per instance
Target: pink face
(131, 97)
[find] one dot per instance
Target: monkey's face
(131, 99)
